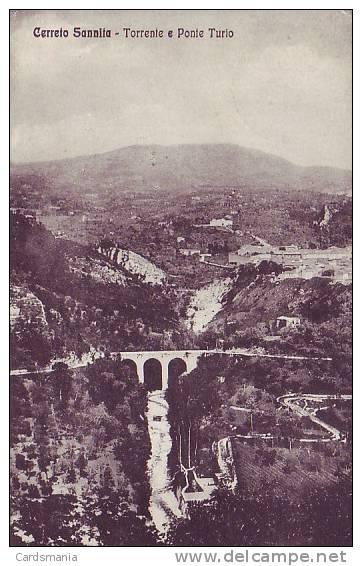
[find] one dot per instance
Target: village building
(333, 263)
(189, 251)
(197, 490)
(205, 256)
(236, 259)
(287, 322)
(249, 254)
(225, 222)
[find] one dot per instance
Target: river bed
(163, 503)
(206, 303)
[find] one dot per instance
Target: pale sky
(282, 84)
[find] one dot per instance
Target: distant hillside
(255, 300)
(178, 168)
(67, 297)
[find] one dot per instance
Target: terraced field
(287, 471)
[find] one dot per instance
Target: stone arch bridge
(164, 362)
(161, 363)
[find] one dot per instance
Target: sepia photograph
(180, 279)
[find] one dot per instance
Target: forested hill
(66, 298)
(178, 168)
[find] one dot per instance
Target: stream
(204, 305)
(163, 503)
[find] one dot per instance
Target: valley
(156, 386)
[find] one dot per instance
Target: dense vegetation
(275, 503)
(256, 300)
(204, 397)
(322, 518)
(79, 447)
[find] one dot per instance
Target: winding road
(290, 401)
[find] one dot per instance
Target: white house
(288, 322)
(205, 257)
(189, 251)
(221, 222)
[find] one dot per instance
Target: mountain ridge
(184, 167)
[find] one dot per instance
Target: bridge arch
(153, 372)
(176, 367)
